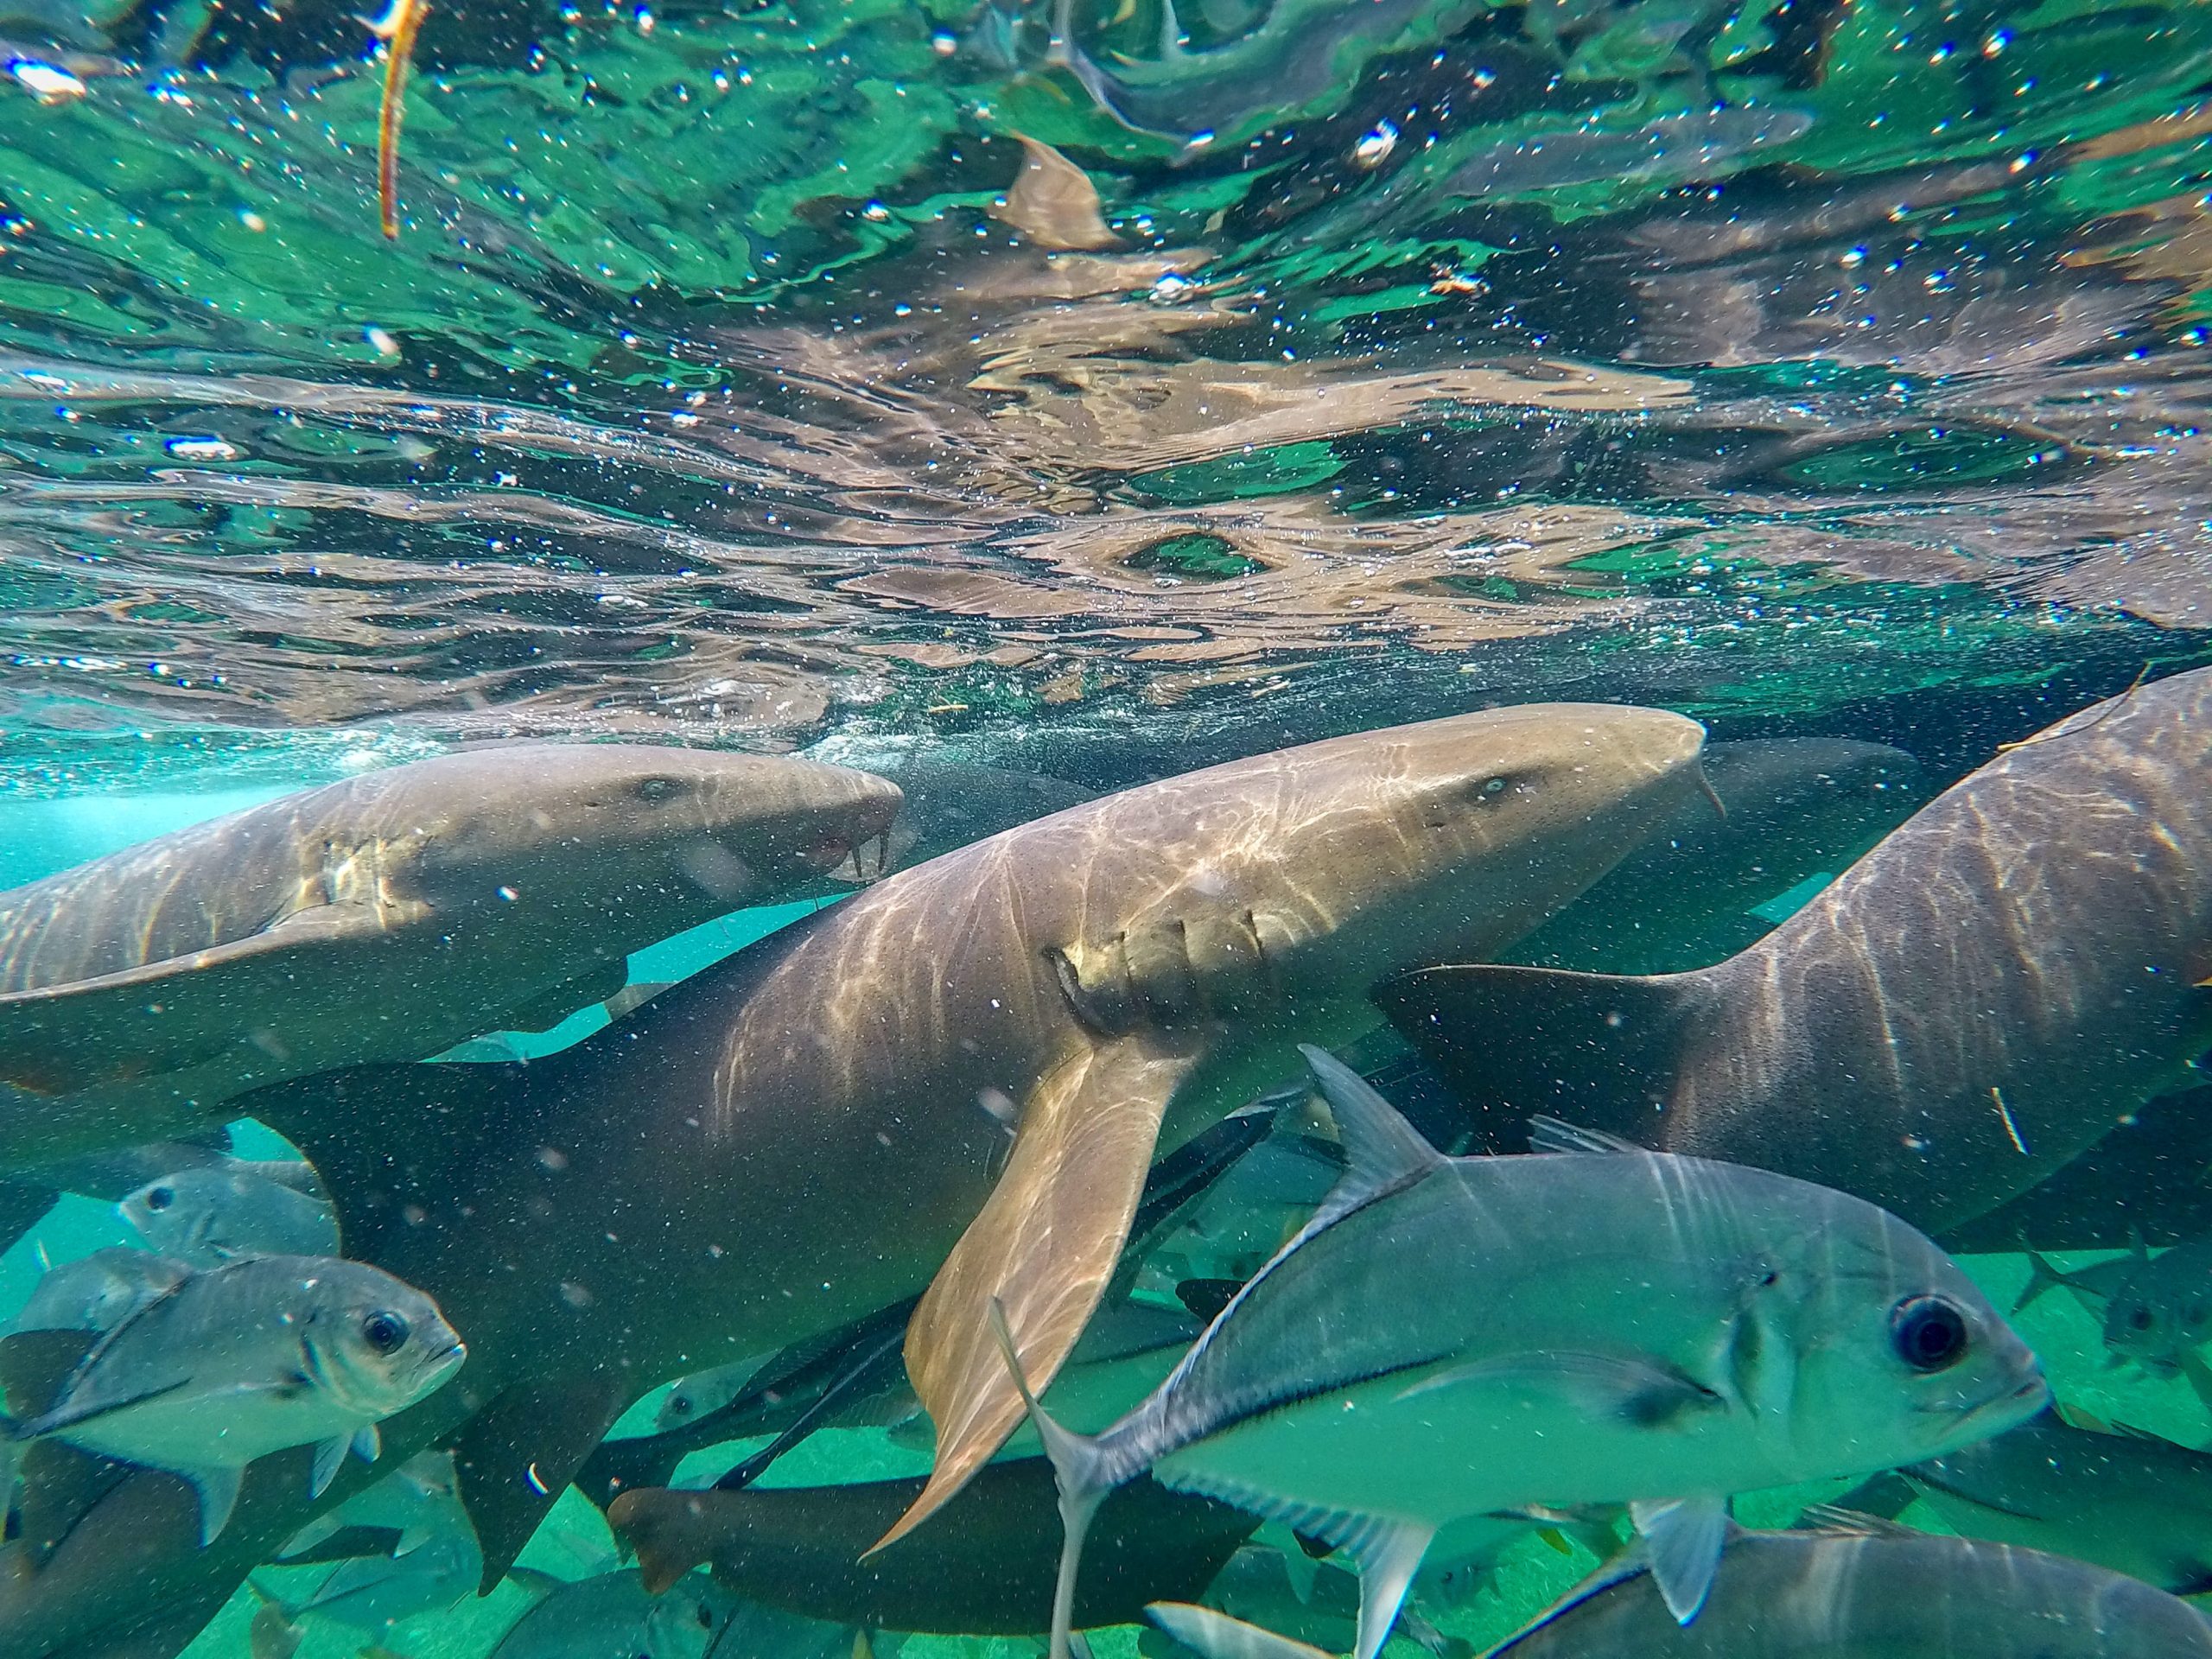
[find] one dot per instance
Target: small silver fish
(1878, 1592)
(97, 1292)
(434, 1562)
(2137, 1504)
(212, 1214)
(1455, 1337)
(2156, 1309)
(230, 1364)
(610, 1617)
(690, 1399)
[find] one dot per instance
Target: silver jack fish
(1879, 1593)
(208, 1215)
(2156, 1309)
(1458, 1337)
(229, 1364)
(2138, 1505)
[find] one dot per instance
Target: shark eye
(385, 1332)
(654, 790)
(680, 1404)
(161, 1198)
(1929, 1333)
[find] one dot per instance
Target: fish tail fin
(2043, 1278)
(1082, 1471)
(1596, 1051)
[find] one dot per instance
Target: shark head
(1333, 865)
(662, 826)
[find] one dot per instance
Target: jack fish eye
(1929, 1333)
(2138, 1318)
(385, 1332)
(161, 1198)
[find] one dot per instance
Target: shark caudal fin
(1596, 1051)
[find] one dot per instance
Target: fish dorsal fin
(1834, 1518)
(1550, 1135)
(1382, 1152)
(1599, 1049)
(1044, 1246)
(1630, 1563)
(1683, 1538)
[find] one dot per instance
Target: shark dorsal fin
(1382, 1150)
(1550, 1135)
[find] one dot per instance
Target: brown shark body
(799, 1136)
(1961, 1013)
(385, 917)
(988, 1571)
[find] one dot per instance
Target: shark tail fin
(1596, 1051)
(1082, 1471)
(2043, 1278)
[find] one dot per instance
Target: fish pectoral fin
(1683, 1538)
(1044, 1246)
(63, 1418)
(217, 1487)
(1646, 1392)
(1299, 1567)
(368, 1443)
(1216, 1635)
(329, 1458)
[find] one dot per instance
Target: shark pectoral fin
(663, 1528)
(1044, 1246)
(1594, 1050)
(515, 1456)
(217, 1487)
(329, 1458)
(1683, 1537)
(1216, 1635)
(166, 1015)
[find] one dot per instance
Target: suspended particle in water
(1375, 144)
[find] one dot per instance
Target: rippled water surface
(1762, 360)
